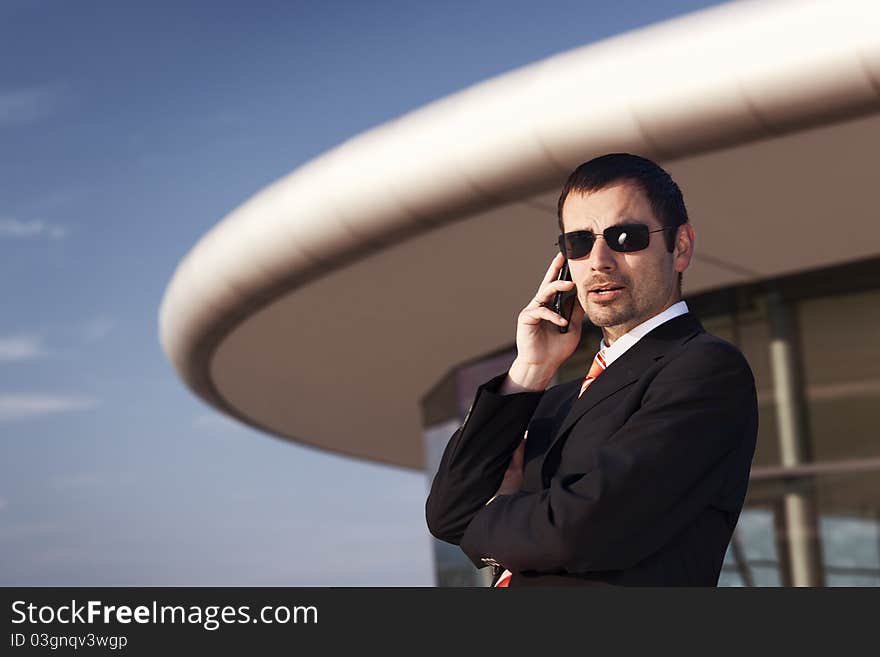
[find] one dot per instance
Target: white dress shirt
(628, 339)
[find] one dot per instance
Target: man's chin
(603, 316)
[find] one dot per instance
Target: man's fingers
(535, 315)
(548, 290)
(553, 271)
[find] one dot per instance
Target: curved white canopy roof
(323, 308)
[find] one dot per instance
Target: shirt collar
(628, 339)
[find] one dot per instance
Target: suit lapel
(629, 367)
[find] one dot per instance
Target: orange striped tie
(596, 369)
(504, 580)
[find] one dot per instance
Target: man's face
(648, 278)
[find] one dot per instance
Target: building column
(800, 518)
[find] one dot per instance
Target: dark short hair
(661, 190)
(604, 171)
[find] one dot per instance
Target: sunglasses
(623, 238)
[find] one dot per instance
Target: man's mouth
(605, 292)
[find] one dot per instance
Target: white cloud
(30, 104)
(15, 229)
(21, 407)
(21, 347)
(97, 328)
(27, 345)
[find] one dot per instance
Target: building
(768, 117)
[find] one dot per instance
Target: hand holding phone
(540, 349)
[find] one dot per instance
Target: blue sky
(126, 131)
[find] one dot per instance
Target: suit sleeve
(651, 479)
(476, 457)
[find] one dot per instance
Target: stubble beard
(616, 314)
(625, 312)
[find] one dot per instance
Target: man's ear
(683, 250)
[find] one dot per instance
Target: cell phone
(563, 302)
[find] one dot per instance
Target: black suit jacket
(639, 482)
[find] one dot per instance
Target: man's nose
(602, 257)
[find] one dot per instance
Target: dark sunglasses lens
(627, 238)
(576, 245)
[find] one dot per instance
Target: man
(636, 474)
